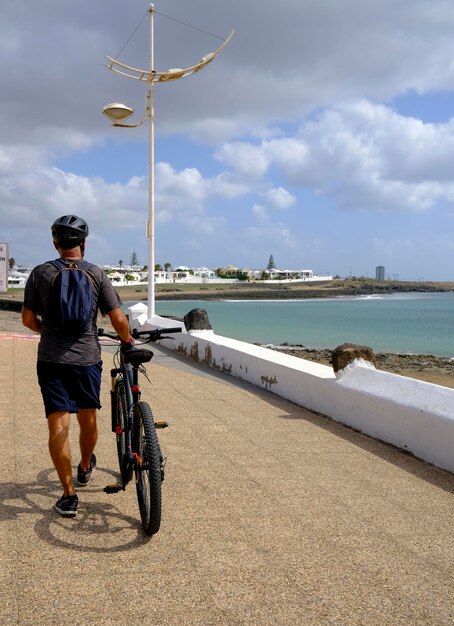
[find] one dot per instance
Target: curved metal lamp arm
(129, 125)
(173, 74)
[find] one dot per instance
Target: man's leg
(88, 436)
(58, 424)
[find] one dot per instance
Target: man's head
(69, 231)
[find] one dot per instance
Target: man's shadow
(99, 527)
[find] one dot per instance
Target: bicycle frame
(130, 376)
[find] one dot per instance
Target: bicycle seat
(136, 356)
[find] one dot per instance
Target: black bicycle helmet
(69, 231)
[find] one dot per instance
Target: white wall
(410, 414)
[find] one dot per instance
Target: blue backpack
(71, 297)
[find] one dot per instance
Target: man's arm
(120, 322)
(31, 320)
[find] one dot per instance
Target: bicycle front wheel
(148, 468)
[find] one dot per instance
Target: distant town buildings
(380, 272)
(122, 274)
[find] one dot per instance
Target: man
(69, 367)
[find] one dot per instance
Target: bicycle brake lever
(143, 371)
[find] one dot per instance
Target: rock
(348, 352)
(197, 319)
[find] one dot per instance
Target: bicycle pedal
(161, 424)
(112, 488)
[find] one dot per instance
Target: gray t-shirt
(54, 346)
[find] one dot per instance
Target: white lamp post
(118, 113)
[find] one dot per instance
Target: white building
(17, 277)
(289, 275)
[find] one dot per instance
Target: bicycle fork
(141, 464)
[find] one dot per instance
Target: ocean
(415, 323)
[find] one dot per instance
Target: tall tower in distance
(379, 272)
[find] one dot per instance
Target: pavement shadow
(99, 527)
(399, 457)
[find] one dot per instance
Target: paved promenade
(272, 515)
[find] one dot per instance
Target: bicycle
(138, 450)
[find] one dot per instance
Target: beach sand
(422, 367)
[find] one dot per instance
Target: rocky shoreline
(436, 370)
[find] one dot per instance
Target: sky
(323, 134)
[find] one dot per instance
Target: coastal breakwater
(416, 416)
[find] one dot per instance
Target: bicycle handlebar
(151, 335)
(156, 332)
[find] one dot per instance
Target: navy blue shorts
(69, 387)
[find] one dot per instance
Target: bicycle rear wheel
(121, 412)
(148, 469)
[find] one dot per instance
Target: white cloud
(260, 213)
(227, 185)
(362, 155)
(393, 248)
(33, 198)
(210, 130)
(247, 159)
(15, 160)
(178, 190)
(270, 235)
(186, 191)
(279, 198)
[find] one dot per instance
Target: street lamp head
(117, 112)
(172, 74)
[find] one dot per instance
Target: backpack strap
(60, 264)
(85, 265)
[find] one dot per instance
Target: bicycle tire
(120, 431)
(148, 478)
